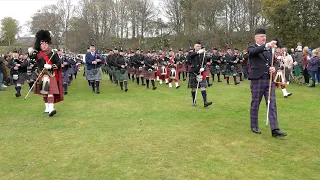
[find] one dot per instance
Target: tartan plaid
(55, 86)
(193, 82)
(182, 69)
(139, 73)
(65, 77)
(22, 77)
(93, 74)
(260, 88)
(149, 75)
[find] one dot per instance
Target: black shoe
(98, 91)
(143, 84)
(219, 81)
(236, 83)
(93, 90)
(278, 133)
(52, 113)
(289, 94)
(65, 93)
(184, 79)
(209, 85)
(206, 104)
(154, 88)
(312, 86)
(126, 90)
(18, 95)
(256, 130)
(177, 87)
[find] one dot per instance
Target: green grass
(146, 134)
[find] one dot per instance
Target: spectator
(305, 60)
(313, 66)
(2, 72)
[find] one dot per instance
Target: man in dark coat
(260, 57)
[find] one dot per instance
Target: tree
(48, 18)
(9, 29)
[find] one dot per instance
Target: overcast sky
(22, 10)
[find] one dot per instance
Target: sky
(22, 10)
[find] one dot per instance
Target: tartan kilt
(131, 70)
(193, 82)
(53, 86)
(230, 71)
(31, 75)
(149, 75)
(239, 68)
(121, 76)
(139, 73)
(222, 68)
(182, 69)
(214, 70)
(65, 77)
(93, 74)
(70, 71)
(22, 77)
(189, 68)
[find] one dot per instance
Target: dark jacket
(260, 61)
(195, 61)
(313, 63)
(90, 59)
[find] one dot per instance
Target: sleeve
(255, 50)
(56, 60)
(88, 60)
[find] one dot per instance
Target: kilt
(189, 68)
(239, 68)
(139, 73)
(75, 69)
(131, 70)
(22, 77)
(122, 76)
(193, 82)
(150, 75)
(65, 77)
(214, 69)
(230, 71)
(53, 86)
(93, 74)
(70, 71)
(222, 68)
(181, 69)
(31, 75)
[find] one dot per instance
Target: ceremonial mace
(35, 82)
(195, 98)
(270, 83)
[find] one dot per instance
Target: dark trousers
(318, 75)
(313, 77)
(306, 76)
(260, 88)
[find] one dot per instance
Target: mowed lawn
(146, 134)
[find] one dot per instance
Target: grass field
(146, 134)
